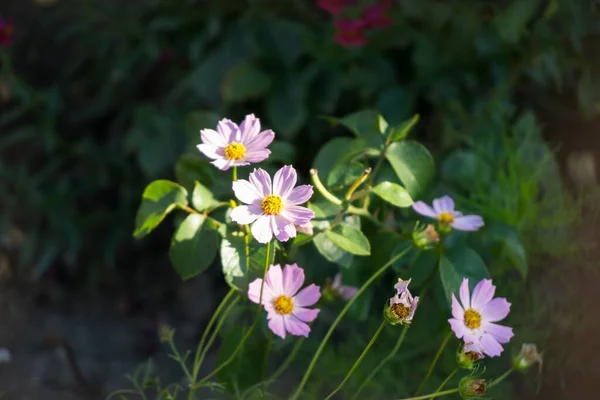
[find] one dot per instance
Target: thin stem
(266, 356)
(179, 359)
(434, 362)
(288, 360)
(314, 176)
(432, 395)
(500, 378)
(383, 362)
(187, 208)
(247, 335)
(338, 319)
(445, 382)
(234, 178)
(359, 360)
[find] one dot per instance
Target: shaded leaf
(243, 82)
(413, 164)
(350, 239)
(202, 197)
(402, 130)
(193, 246)
(159, 198)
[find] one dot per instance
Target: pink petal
(275, 280)
(214, 138)
(468, 223)
(257, 156)
(246, 214)
(246, 192)
(222, 164)
(210, 151)
(261, 179)
(284, 181)
(348, 292)
(482, 294)
(298, 215)
(293, 278)
(307, 296)
(457, 311)
(337, 281)
(444, 204)
(229, 130)
(490, 346)
(260, 141)
(295, 326)
(423, 209)
(254, 292)
(306, 314)
(277, 325)
(495, 310)
(501, 333)
(464, 294)
(261, 229)
(282, 228)
(249, 128)
(458, 327)
(299, 195)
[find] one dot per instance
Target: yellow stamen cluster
(272, 204)
(472, 319)
(400, 310)
(235, 151)
(283, 305)
(445, 218)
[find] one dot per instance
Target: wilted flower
(425, 238)
(474, 320)
(333, 7)
(374, 16)
(343, 291)
(272, 209)
(350, 32)
(7, 31)
(443, 210)
(307, 228)
(401, 308)
(469, 387)
(468, 355)
(233, 146)
(285, 306)
(527, 357)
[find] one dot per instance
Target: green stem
(179, 359)
(267, 350)
(434, 362)
(500, 378)
(445, 382)
(247, 335)
(359, 360)
(432, 395)
(234, 174)
(288, 360)
(383, 362)
(338, 319)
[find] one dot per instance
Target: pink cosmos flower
(443, 210)
(7, 31)
(233, 146)
(285, 305)
(272, 209)
(474, 318)
(350, 32)
(333, 7)
(345, 292)
(374, 16)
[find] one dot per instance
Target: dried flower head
(470, 388)
(527, 357)
(468, 355)
(401, 308)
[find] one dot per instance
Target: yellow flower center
(473, 356)
(283, 305)
(272, 204)
(445, 218)
(400, 310)
(235, 151)
(472, 319)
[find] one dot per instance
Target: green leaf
(202, 197)
(324, 213)
(350, 239)
(393, 194)
(401, 131)
(194, 246)
(510, 246)
(243, 259)
(364, 124)
(194, 122)
(243, 82)
(450, 279)
(512, 22)
(286, 108)
(331, 252)
(395, 104)
(383, 125)
(459, 263)
(465, 169)
(159, 198)
(335, 160)
(283, 152)
(413, 164)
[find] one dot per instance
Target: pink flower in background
(272, 208)
(286, 306)
(374, 16)
(7, 31)
(233, 146)
(350, 32)
(345, 292)
(475, 317)
(334, 7)
(443, 210)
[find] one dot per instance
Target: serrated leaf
(413, 164)
(202, 197)
(350, 239)
(193, 246)
(243, 82)
(393, 194)
(159, 198)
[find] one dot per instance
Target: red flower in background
(350, 32)
(7, 31)
(334, 7)
(374, 16)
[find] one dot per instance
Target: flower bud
(165, 333)
(232, 204)
(470, 388)
(468, 355)
(425, 238)
(526, 358)
(401, 308)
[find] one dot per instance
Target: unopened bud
(165, 333)
(527, 357)
(470, 388)
(425, 238)
(468, 355)
(232, 204)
